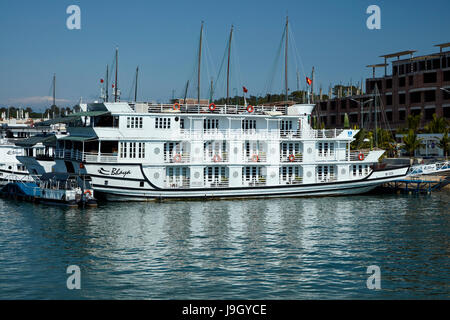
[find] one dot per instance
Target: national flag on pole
(308, 81)
(244, 89)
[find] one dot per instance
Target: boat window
(162, 123)
(248, 124)
(134, 122)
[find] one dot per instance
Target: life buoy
(177, 158)
(81, 165)
(291, 158)
(88, 192)
(250, 108)
(217, 158)
(176, 106)
(255, 158)
(361, 157)
(212, 107)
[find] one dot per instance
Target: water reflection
(261, 249)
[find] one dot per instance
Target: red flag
(245, 89)
(308, 81)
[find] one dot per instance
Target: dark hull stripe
(247, 188)
(291, 194)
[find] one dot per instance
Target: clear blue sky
(162, 38)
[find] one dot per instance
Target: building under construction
(415, 85)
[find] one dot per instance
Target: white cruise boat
(10, 168)
(146, 152)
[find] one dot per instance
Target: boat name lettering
(13, 152)
(114, 172)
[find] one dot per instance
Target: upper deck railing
(261, 134)
(216, 109)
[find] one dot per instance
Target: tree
(346, 122)
(386, 141)
(444, 143)
(436, 125)
(412, 142)
(359, 142)
(314, 123)
(413, 122)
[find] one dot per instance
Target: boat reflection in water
(256, 249)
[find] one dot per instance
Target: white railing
(327, 133)
(217, 109)
(326, 156)
(429, 168)
(255, 181)
(86, 156)
(291, 180)
(355, 155)
(183, 157)
(177, 182)
(249, 134)
(327, 178)
(255, 158)
(293, 157)
(217, 183)
(215, 158)
(227, 134)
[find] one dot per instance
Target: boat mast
(312, 85)
(185, 91)
(199, 63)
(286, 58)
(54, 89)
(107, 83)
(228, 67)
(117, 67)
(136, 86)
(376, 116)
(211, 90)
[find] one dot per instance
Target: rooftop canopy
(377, 65)
(46, 140)
(443, 45)
(72, 117)
(76, 138)
(398, 54)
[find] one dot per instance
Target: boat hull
(138, 187)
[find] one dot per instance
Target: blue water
(316, 248)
